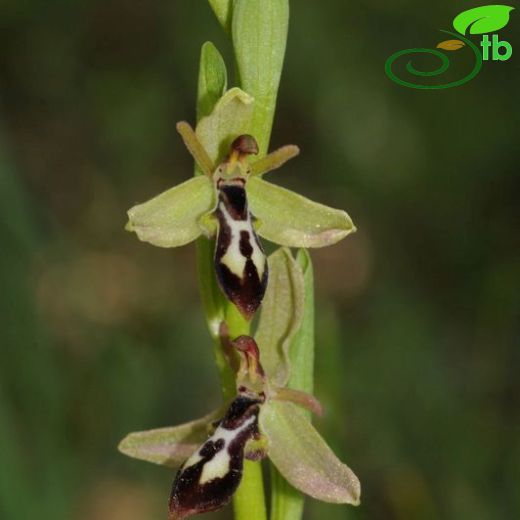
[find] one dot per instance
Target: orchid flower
(267, 418)
(231, 202)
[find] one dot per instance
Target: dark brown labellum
(208, 479)
(240, 261)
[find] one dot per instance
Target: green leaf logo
(481, 20)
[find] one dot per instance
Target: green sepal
(302, 456)
(171, 219)
(230, 118)
(286, 501)
(281, 316)
(302, 346)
(169, 446)
(292, 220)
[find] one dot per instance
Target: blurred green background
(417, 314)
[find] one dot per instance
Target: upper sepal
(291, 220)
(171, 219)
(302, 456)
(230, 118)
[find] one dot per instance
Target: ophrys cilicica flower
(231, 202)
(266, 418)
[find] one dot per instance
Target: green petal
(168, 446)
(291, 220)
(230, 118)
(281, 316)
(274, 160)
(202, 160)
(171, 218)
(304, 458)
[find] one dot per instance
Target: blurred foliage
(417, 314)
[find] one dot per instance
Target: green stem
(249, 500)
(259, 33)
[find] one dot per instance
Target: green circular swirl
(445, 63)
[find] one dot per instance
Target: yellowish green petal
(302, 456)
(168, 446)
(195, 148)
(171, 218)
(274, 160)
(230, 118)
(281, 316)
(291, 220)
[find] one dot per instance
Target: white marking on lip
(233, 259)
(218, 466)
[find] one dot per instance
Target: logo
(478, 21)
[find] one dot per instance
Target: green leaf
(222, 10)
(291, 220)
(304, 458)
(168, 446)
(484, 19)
(171, 218)
(230, 118)
(259, 31)
(212, 79)
(281, 316)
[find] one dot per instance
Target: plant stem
(249, 500)
(259, 34)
